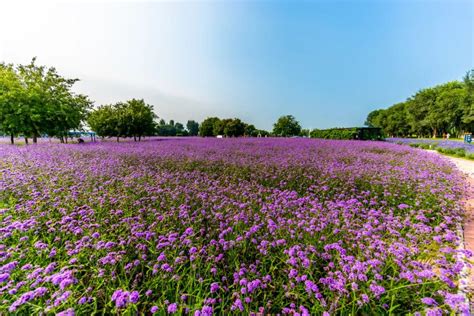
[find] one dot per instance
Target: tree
(219, 126)
(104, 121)
(141, 118)
(193, 128)
(373, 119)
(51, 106)
(44, 102)
(286, 126)
(445, 108)
(133, 118)
(448, 108)
(305, 133)
(170, 129)
(213, 126)
(166, 129)
(250, 130)
(233, 128)
(396, 120)
(207, 126)
(180, 131)
(468, 104)
(12, 98)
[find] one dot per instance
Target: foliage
(193, 128)
(249, 226)
(133, 118)
(446, 108)
(334, 133)
(36, 100)
(140, 118)
(12, 98)
(104, 121)
(207, 126)
(214, 126)
(286, 126)
(171, 128)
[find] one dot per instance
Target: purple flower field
(229, 226)
(435, 143)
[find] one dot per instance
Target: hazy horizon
(327, 63)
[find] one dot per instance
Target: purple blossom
(172, 308)
(318, 221)
(428, 301)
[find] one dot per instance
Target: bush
(334, 133)
(460, 152)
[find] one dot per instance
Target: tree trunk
(35, 139)
(434, 132)
(134, 138)
(65, 137)
(118, 139)
(139, 138)
(12, 139)
(61, 139)
(26, 140)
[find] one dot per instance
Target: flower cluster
(218, 226)
(440, 144)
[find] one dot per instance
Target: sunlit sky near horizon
(326, 62)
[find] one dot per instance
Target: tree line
(35, 101)
(214, 126)
(434, 111)
(133, 118)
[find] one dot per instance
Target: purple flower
(377, 289)
(4, 277)
(428, 301)
(214, 287)
(238, 305)
(68, 312)
(172, 308)
(134, 297)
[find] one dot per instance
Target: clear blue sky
(327, 62)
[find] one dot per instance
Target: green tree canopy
(287, 126)
(12, 99)
(445, 108)
(207, 126)
(234, 128)
(37, 100)
(193, 128)
(133, 118)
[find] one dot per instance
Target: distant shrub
(334, 133)
(460, 152)
(425, 146)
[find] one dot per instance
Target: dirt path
(467, 167)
